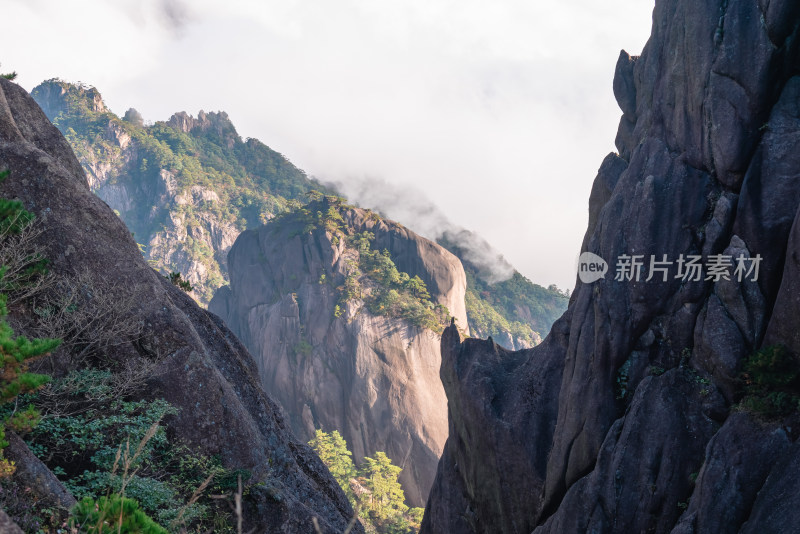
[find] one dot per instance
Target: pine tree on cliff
(9, 76)
(332, 450)
(387, 500)
(16, 351)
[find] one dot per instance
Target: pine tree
(9, 75)
(113, 514)
(373, 489)
(16, 352)
(332, 450)
(177, 280)
(387, 501)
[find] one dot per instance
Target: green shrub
(178, 281)
(415, 517)
(80, 438)
(621, 387)
(302, 348)
(112, 515)
(770, 368)
(771, 382)
(392, 292)
(93, 436)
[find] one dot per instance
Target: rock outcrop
(185, 187)
(626, 417)
(333, 364)
(200, 367)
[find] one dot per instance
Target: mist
(499, 112)
(413, 209)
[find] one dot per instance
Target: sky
(488, 115)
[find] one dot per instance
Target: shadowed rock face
(621, 420)
(373, 378)
(201, 367)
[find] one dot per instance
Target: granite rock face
(624, 418)
(374, 378)
(200, 367)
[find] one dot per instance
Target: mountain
(185, 187)
(343, 310)
(669, 404)
(501, 303)
(135, 351)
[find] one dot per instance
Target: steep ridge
(200, 367)
(303, 300)
(185, 187)
(634, 414)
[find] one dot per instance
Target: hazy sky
(498, 112)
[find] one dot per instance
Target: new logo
(591, 267)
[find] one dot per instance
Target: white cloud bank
(500, 112)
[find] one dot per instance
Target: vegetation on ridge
(372, 276)
(771, 380)
(175, 188)
(393, 293)
(87, 430)
(9, 75)
(514, 307)
(221, 181)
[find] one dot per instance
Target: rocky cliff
(669, 404)
(196, 364)
(185, 187)
(338, 340)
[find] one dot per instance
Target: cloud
(490, 264)
(500, 112)
(175, 14)
(412, 208)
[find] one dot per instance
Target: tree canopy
(380, 497)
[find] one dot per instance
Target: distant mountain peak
(216, 121)
(55, 95)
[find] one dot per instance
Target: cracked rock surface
(625, 419)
